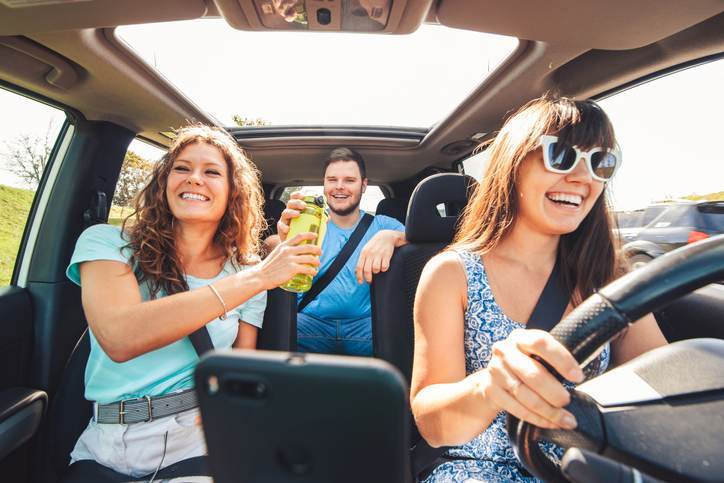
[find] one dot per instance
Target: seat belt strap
(551, 304)
(346, 252)
(201, 340)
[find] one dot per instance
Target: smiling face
(551, 203)
(197, 188)
(343, 187)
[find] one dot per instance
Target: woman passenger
(542, 199)
(187, 258)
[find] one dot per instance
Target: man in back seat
(338, 320)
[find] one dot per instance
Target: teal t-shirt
(344, 298)
(163, 370)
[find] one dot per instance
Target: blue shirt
(344, 298)
(164, 370)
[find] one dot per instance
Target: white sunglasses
(561, 158)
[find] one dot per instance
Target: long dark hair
(588, 255)
(150, 227)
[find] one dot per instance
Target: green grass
(118, 214)
(14, 207)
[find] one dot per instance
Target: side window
(137, 166)
(475, 165)
(669, 130)
(372, 195)
(27, 137)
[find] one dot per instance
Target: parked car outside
(630, 223)
(678, 224)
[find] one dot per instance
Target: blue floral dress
(489, 457)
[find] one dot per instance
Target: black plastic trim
(248, 133)
(21, 411)
(658, 74)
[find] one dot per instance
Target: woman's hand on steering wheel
(523, 387)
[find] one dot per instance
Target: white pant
(138, 449)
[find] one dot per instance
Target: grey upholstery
(394, 208)
(393, 292)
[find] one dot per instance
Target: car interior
(67, 54)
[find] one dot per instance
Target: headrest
(392, 207)
(425, 224)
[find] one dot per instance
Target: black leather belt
(144, 409)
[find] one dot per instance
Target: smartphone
(303, 418)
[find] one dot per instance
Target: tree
(27, 154)
(134, 172)
(247, 121)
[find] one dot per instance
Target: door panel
(30, 141)
(16, 334)
(699, 314)
(59, 318)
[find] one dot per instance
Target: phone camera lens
(324, 16)
(246, 389)
(212, 383)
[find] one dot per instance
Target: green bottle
(312, 219)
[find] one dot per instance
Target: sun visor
(34, 64)
(611, 25)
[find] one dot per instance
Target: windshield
(302, 78)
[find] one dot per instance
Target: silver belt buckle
(122, 411)
(148, 402)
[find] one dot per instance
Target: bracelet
(218, 296)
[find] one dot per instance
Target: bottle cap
(319, 201)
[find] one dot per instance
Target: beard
(349, 210)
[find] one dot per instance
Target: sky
(668, 129)
(341, 78)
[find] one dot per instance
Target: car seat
(432, 216)
(427, 233)
(394, 208)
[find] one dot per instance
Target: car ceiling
(68, 52)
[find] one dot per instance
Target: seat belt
(201, 340)
(547, 312)
(552, 303)
(339, 261)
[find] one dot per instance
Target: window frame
(657, 75)
(31, 230)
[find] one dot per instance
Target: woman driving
(542, 201)
(185, 259)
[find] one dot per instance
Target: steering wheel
(598, 320)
